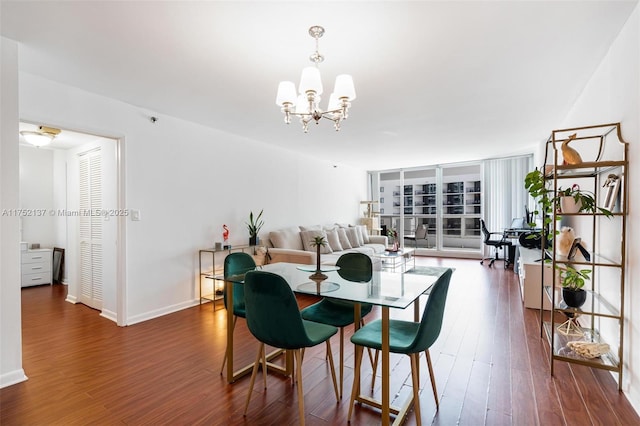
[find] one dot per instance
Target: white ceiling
(436, 81)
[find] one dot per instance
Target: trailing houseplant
(254, 226)
(584, 201)
(572, 281)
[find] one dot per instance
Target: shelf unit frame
(596, 307)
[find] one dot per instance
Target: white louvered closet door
(91, 229)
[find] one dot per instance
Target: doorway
(91, 260)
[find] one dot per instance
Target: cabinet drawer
(36, 267)
(36, 279)
(36, 256)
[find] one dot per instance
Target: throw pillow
(359, 235)
(334, 240)
(365, 233)
(288, 238)
(307, 241)
(352, 234)
(311, 228)
(344, 239)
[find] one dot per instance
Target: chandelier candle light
(306, 105)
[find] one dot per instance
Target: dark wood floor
(490, 364)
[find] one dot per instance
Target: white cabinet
(36, 267)
(530, 276)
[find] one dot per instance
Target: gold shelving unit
(601, 319)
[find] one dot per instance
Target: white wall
(10, 317)
(36, 194)
(612, 95)
(188, 180)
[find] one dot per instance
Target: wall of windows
(438, 208)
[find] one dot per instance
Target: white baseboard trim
(160, 312)
(110, 315)
(12, 378)
(71, 299)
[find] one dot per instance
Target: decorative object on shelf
(306, 105)
(225, 236)
(44, 135)
(318, 242)
(574, 200)
(564, 240)
(589, 350)
(570, 155)
(572, 282)
(254, 227)
(393, 236)
(613, 187)
(218, 245)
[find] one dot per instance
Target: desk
(385, 289)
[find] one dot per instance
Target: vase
(574, 298)
(569, 205)
(253, 240)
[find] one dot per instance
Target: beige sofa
(294, 244)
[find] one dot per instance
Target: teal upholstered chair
(236, 264)
(355, 267)
(274, 319)
(407, 337)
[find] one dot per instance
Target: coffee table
(391, 260)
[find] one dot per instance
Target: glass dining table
(384, 289)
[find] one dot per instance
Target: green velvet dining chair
(406, 337)
(354, 267)
(274, 319)
(236, 264)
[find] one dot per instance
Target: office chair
(236, 264)
(496, 243)
(406, 337)
(354, 267)
(274, 319)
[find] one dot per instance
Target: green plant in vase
(318, 242)
(254, 226)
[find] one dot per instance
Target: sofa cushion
(334, 240)
(359, 235)
(307, 241)
(311, 228)
(288, 238)
(344, 239)
(365, 234)
(352, 234)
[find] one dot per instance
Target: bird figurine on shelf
(570, 155)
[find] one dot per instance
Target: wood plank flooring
(491, 368)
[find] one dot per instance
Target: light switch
(135, 215)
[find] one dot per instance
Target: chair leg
(375, 369)
(264, 367)
(298, 357)
(253, 376)
(416, 386)
(368, 349)
(224, 360)
(333, 371)
(432, 377)
(356, 380)
(341, 359)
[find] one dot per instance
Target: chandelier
(306, 104)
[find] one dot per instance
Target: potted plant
(254, 227)
(574, 200)
(318, 242)
(572, 281)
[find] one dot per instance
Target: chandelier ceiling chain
(306, 104)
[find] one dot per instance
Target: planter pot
(574, 298)
(569, 205)
(253, 241)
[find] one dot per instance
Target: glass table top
(394, 290)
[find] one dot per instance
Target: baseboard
(160, 312)
(110, 315)
(12, 378)
(71, 299)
